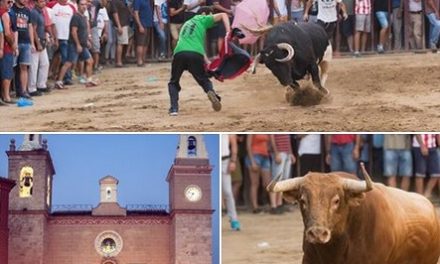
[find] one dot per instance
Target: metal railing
(71, 208)
(130, 207)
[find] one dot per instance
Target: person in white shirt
(280, 11)
(327, 14)
(62, 14)
(309, 153)
(192, 6)
(99, 27)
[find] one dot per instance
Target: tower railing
(71, 208)
(145, 208)
(148, 207)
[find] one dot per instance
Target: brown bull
(347, 221)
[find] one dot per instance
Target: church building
(31, 232)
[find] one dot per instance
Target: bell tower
(31, 168)
(190, 202)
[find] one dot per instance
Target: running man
(190, 55)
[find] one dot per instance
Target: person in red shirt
(9, 50)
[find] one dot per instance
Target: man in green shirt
(190, 55)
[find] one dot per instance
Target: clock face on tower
(193, 193)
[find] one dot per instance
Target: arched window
(192, 146)
(108, 193)
(26, 182)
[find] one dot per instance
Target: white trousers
(38, 70)
(227, 191)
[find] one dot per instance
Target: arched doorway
(109, 261)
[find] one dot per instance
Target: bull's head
(277, 57)
(325, 201)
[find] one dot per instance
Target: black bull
(305, 49)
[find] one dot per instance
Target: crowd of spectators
(410, 162)
(57, 40)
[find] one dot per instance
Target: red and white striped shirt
(362, 7)
(282, 143)
(428, 140)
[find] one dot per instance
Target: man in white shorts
(363, 24)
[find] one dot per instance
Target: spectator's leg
(364, 41)
(227, 191)
(87, 57)
(66, 67)
(335, 158)
(174, 35)
(43, 70)
(254, 180)
(420, 168)
(162, 40)
(435, 31)
(418, 33)
(405, 168)
(357, 41)
(397, 28)
(348, 162)
(434, 171)
(33, 71)
(390, 166)
(140, 42)
(7, 75)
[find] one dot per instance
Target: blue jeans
(64, 51)
(297, 16)
(397, 162)
(262, 161)
(74, 55)
(342, 158)
(383, 19)
(434, 29)
(162, 38)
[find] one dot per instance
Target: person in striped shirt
(362, 9)
(282, 160)
(426, 161)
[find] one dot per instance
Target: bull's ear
(290, 196)
(355, 199)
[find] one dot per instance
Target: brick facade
(145, 239)
(5, 187)
(37, 236)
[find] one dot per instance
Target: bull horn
(259, 31)
(286, 185)
(359, 186)
(289, 49)
(255, 63)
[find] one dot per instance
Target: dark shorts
(347, 26)
(427, 164)
(73, 56)
(142, 39)
(6, 69)
(219, 31)
(329, 28)
(189, 15)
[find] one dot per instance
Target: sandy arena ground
(380, 93)
(264, 239)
